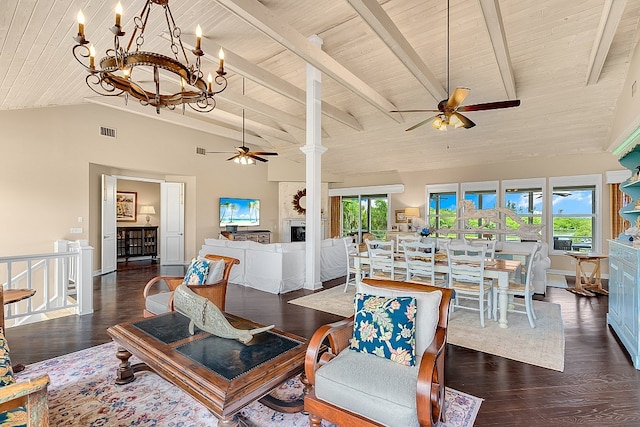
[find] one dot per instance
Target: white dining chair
(351, 250)
(489, 244)
(523, 290)
(400, 238)
(420, 259)
(466, 276)
(381, 259)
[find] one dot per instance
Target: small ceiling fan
(448, 112)
(244, 156)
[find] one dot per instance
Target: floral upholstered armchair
(384, 365)
(24, 402)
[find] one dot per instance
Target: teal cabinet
(631, 187)
(623, 315)
(631, 211)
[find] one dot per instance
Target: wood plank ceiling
(566, 62)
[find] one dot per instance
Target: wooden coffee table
(222, 374)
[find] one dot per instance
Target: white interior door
(172, 223)
(109, 231)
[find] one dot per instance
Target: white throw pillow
(427, 316)
(216, 270)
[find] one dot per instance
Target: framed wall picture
(400, 218)
(126, 206)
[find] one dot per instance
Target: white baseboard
(571, 273)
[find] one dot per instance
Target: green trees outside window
(365, 214)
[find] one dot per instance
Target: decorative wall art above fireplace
(299, 201)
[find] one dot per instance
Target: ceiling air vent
(109, 132)
(200, 150)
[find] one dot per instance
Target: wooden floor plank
(598, 387)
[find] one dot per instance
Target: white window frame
(367, 191)
(578, 180)
(525, 183)
(440, 188)
(485, 186)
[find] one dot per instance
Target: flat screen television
(234, 211)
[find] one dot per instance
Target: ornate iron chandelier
(114, 75)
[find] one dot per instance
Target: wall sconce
(147, 210)
(411, 213)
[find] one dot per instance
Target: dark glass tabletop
(226, 357)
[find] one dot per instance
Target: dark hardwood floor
(598, 387)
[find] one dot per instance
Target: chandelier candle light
(114, 75)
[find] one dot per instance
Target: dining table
(494, 268)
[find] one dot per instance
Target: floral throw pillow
(197, 272)
(6, 371)
(385, 327)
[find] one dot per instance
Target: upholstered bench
(21, 403)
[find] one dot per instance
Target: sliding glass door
(365, 214)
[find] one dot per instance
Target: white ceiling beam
(176, 118)
(280, 116)
(252, 125)
(262, 108)
(374, 15)
(239, 65)
(495, 28)
(609, 21)
(264, 20)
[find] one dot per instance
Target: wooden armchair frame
(331, 339)
(215, 292)
(32, 394)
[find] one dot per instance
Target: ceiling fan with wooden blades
(448, 112)
(244, 156)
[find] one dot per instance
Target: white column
(84, 286)
(313, 150)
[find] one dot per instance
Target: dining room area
(469, 267)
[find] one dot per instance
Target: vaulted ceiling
(565, 60)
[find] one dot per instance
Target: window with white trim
(484, 195)
(442, 200)
(576, 213)
(526, 198)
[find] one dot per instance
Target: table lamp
(147, 210)
(411, 213)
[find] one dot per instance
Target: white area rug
(542, 346)
(333, 301)
(556, 280)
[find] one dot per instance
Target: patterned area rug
(542, 346)
(83, 393)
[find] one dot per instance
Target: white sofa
(277, 267)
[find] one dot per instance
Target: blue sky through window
(573, 202)
(488, 200)
(565, 202)
(447, 201)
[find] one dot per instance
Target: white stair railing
(66, 286)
